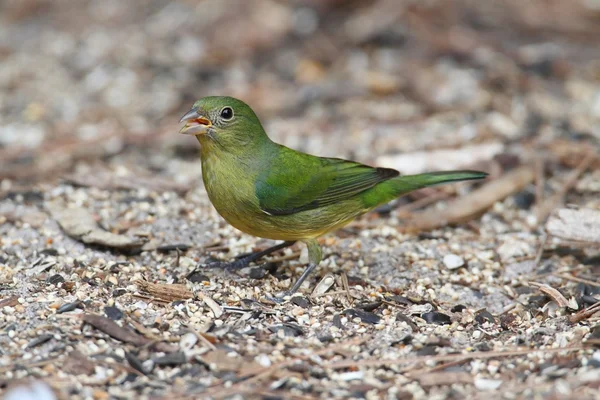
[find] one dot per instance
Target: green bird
(268, 190)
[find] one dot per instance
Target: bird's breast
(230, 187)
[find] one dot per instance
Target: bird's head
(225, 121)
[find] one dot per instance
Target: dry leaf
(580, 225)
(112, 329)
(79, 224)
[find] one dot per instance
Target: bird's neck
(215, 149)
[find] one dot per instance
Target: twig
(407, 209)
(271, 394)
(479, 355)
(584, 314)
(117, 332)
(540, 180)
(538, 256)
(552, 293)
(576, 279)
(437, 368)
(346, 286)
(150, 298)
(205, 340)
(328, 294)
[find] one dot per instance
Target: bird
(271, 191)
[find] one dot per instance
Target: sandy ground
(475, 290)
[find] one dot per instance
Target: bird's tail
(407, 183)
(389, 190)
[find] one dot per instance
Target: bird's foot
(281, 297)
(229, 265)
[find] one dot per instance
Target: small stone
(487, 384)
(458, 308)
(113, 313)
(55, 279)
(100, 395)
(69, 307)
(37, 390)
(196, 277)
(364, 316)
(300, 301)
(258, 273)
(187, 341)
(502, 125)
(119, 292)
(263, 360)
(351, 376)
(452, 261)
(436, 317)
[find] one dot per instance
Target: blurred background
(91, 93)
(90, 82)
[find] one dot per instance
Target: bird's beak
(195, 124)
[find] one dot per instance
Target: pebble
(452, 261)
(487, 384)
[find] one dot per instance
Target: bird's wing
(297, 182)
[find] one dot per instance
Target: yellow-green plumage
(268, 190)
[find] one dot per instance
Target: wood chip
(165, 291)
(554, 294)
(214, 307)
(580, 225)
(584, 314)
(9, 301)
(221, 361)
(114, 330)
(77, 363)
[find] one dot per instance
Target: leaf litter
(103, 212)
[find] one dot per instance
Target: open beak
(195, 124)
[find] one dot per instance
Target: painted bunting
(268, 190)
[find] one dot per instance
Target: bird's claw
(229, 266)
(281, 297)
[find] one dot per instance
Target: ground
(461, 291)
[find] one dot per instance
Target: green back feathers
(299, 182)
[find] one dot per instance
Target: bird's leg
(315, 256)
(245, 261)
(309, 269)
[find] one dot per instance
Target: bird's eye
(227, 113)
